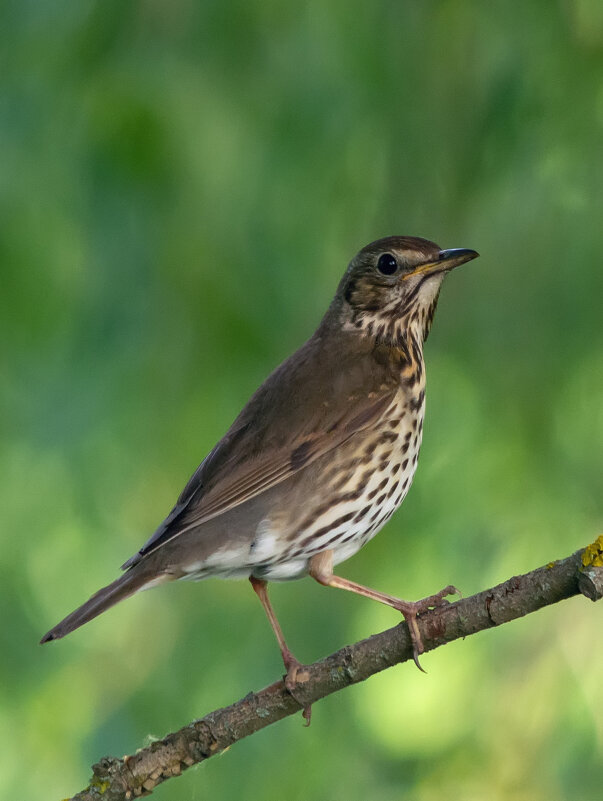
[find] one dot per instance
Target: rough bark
(131, 776)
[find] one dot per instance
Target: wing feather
(250, 460)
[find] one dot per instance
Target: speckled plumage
(323, 453)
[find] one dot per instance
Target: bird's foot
(296, 674)
(410, 610)
(439, 599)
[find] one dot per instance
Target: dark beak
(447, 260)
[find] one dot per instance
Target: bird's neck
(401, 351)
(393, 326)
(395, 336)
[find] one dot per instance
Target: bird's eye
(387, 265)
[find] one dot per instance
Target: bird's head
(394, 282)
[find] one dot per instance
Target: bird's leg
(321, 569)
(292, 665)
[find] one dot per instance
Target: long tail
(126, 585)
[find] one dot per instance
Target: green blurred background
(181, 185)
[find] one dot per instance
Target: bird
(321, 456)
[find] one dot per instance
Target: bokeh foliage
(182, 184)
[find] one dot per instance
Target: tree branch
(120, 779)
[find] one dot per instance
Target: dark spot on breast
(333, 540)
(350, 496)
(416, 350)
(404, 464)
(362, 513)
(416, 403)
(370, 448)
(323, 508)
(325, 529)
(365, 478)
(372, 494)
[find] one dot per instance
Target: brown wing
(293, 419)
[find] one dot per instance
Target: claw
(296, 672)
(294, 668)
(410, 610)
(410, 616)
(415, 659)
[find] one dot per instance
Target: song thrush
(319, 458)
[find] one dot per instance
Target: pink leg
(292, 665)
(321, 569)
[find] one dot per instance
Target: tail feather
(121, 588)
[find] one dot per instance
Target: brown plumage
(322, 454)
